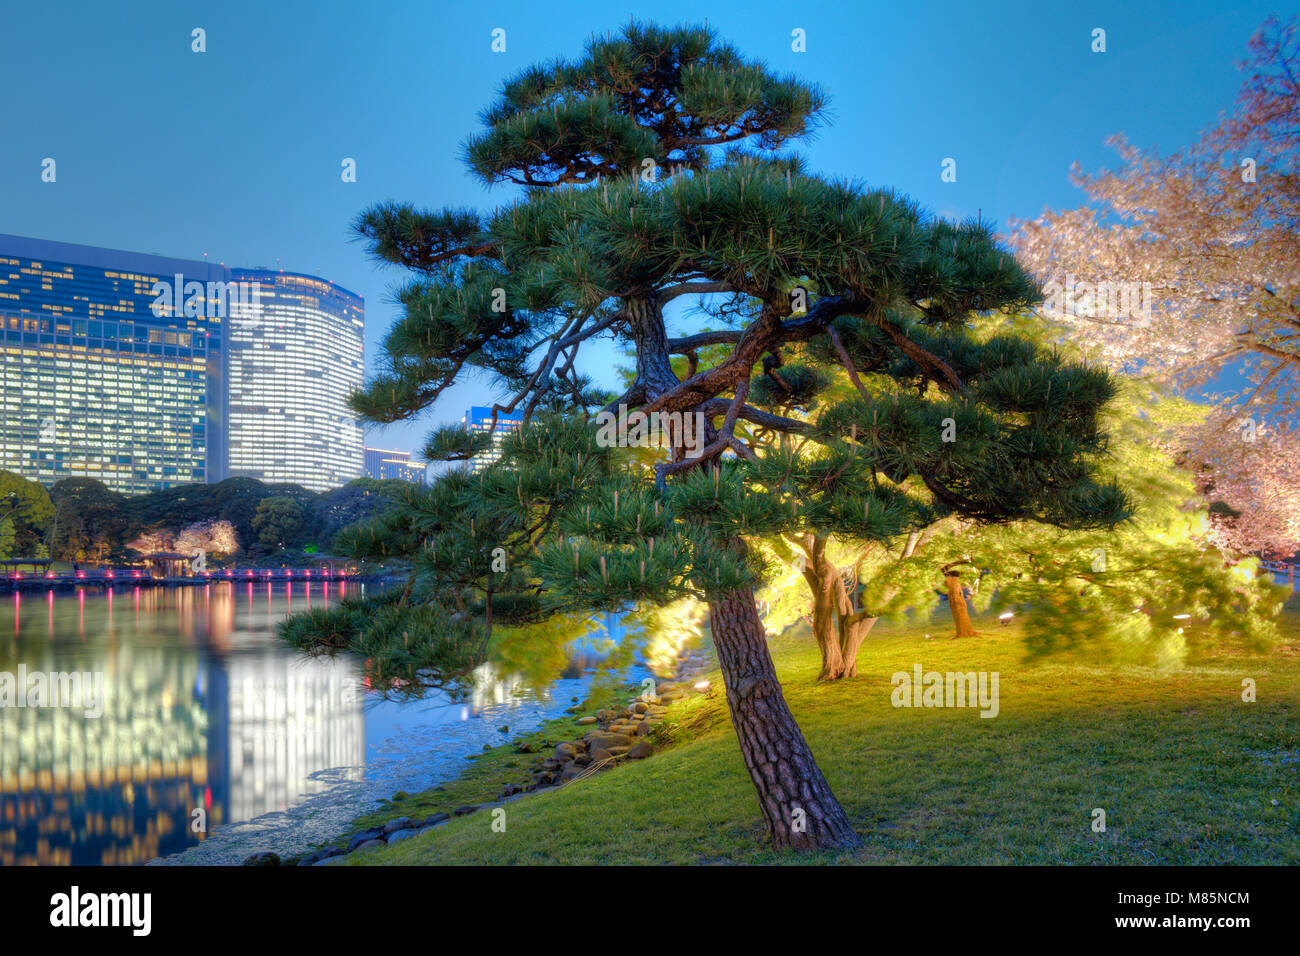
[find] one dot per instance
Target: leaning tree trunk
(797, 804)
(957, 604)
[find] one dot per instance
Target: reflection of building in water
(277, 722)
(116, 789)
(236, 734)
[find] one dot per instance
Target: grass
(1186, 771)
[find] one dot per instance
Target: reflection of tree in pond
(530, 659)
(567, 646)
(537, 655)
(668, 632)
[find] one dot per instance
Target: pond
(213, 740)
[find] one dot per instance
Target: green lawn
(1186, 772)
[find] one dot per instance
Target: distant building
(145, 372)
(111, 365)
(296, 355)
(479, 419)
(385, 465)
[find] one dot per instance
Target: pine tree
(652, 172)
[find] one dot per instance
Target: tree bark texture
(654, 370)
(796, 802)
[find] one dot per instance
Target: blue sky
(236, 152)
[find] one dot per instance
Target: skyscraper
(145, 372)
(479, 419)
(111, 365)
(295, 355)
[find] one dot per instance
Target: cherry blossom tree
(1251, 476)
(151, 542)
(211, 537)
(1183, 267)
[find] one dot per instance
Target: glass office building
(145, 371)
(111, 365)
(295, 355)
(479, 419)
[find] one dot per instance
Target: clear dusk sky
(236, 152)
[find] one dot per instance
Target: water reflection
(206, 716)
(203, 717)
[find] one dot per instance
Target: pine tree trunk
(406, 591)
(654, 369)
(957, 604)
(796, 802)
(852, 634)
(821, 576)
(838, 629)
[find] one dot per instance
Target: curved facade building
(295, 353)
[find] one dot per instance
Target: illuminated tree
(1153, 590)
(211, 537)
(631, 206)
(1191, 266)
(151, 542)
(1249, 474)
(1164, 560)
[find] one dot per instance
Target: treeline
(82, 520)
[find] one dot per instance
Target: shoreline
(494, 776)
(418, 748)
